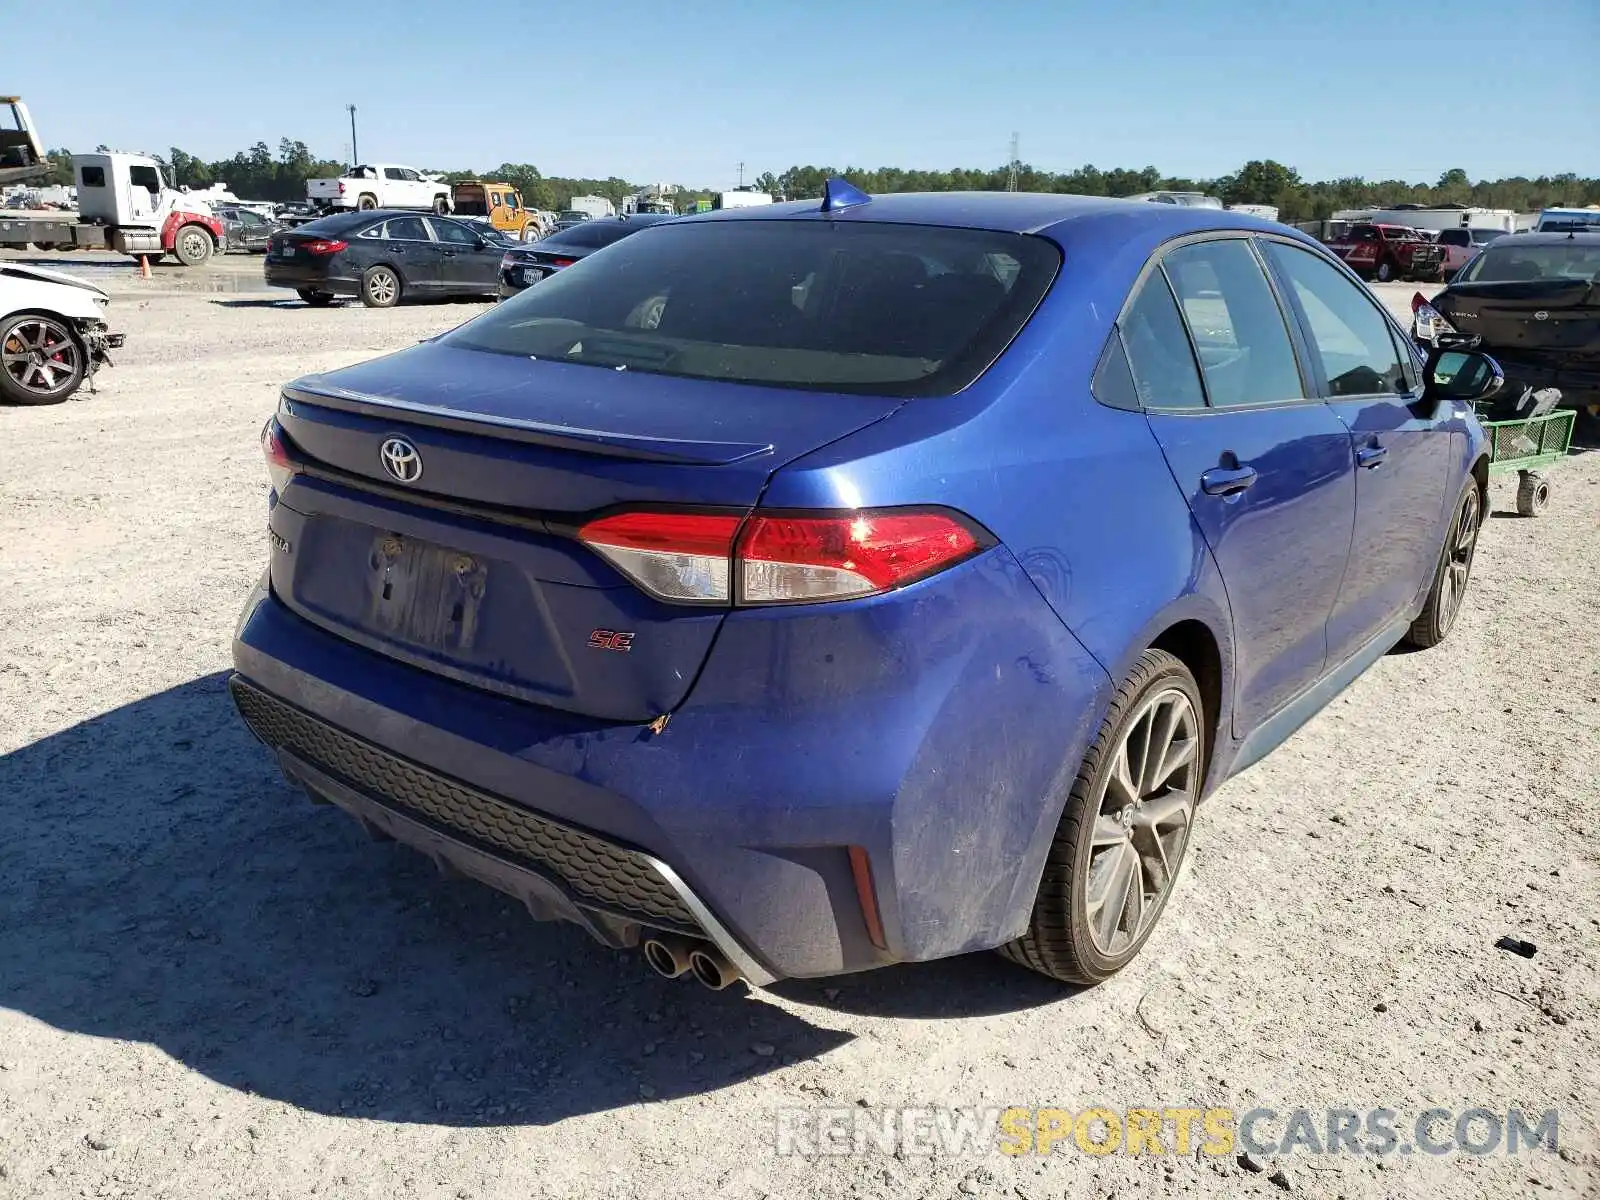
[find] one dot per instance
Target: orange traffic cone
(144, 266)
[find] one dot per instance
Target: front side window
(731, 301)
(1158, 351)
(1349, 337)
(510, 200)
(146, 177)
(454, 234)
(1238, 329)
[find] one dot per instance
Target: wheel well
(1193, 643)
(1480, 472)
(48, 314)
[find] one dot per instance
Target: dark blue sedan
(796, 590)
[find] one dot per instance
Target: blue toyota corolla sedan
(796, 590)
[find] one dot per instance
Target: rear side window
(1237, 327)
(898, 310)
(93, 176)
(1159, 355)
(1113, 382)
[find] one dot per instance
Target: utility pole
(1013, 166)
(741, 175)
(355, 154)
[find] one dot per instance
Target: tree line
(259, 174)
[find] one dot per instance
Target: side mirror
(1468, 375)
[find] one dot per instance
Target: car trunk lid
(1527, 315)
(469, 568)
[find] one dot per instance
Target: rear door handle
(1371, 457)
(1226, 481)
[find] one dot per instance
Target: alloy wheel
(1458, 559)
(40, 355)
(381, 286)
(1142, 820)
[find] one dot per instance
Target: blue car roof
(1013, 212)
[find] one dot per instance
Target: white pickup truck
(380, 185)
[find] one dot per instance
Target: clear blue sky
(682, 90)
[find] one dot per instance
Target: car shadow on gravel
(159, 883)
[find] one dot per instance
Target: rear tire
(380, 287)
(1450, 578)
(367, 202)
(441, 206)
(1126, 818)
(1533, 493)
(314, 298)
(193, 245)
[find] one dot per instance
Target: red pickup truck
(1388, 252)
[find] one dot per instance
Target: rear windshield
(338, 223)
(899, 310)
(590, 234)
(1482, 237)
(1510, 261)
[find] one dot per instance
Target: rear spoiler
(585, 441)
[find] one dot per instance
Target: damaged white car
(53, 334)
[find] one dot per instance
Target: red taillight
(779, 558)
(1417, 301)
(562, 262)
(789, 559)
(683, 557)
(280, 467)
(324, 246)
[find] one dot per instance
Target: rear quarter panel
(1084, 503)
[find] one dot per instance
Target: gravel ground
(210, 988)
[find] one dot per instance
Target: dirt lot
(209, 988)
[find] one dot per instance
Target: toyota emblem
(1541, 315)
(401, 460)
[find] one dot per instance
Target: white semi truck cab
(126, 202)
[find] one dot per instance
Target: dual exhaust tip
(670, 957)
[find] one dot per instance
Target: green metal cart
(1524, 445)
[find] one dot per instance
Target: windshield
(900, 310)
(1512, 261)
(572, 214)
(338, 223)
